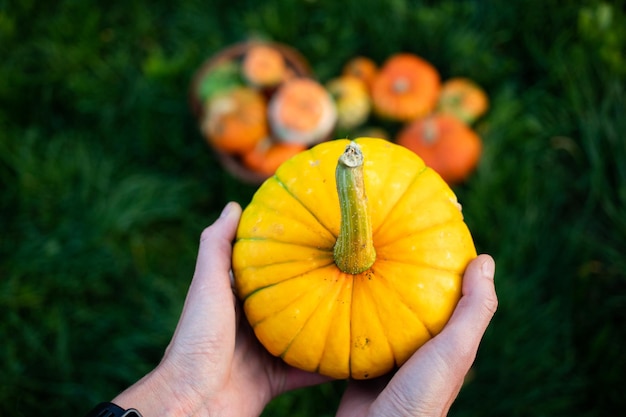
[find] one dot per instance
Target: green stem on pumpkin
(354, 250)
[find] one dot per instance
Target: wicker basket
(294, 61)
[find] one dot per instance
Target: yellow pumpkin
(352, 100)
(350, 258)
(363, 68)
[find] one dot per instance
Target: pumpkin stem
(354, 250)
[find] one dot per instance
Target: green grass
(106, 184)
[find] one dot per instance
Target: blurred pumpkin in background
(373, 132)
(352, 101)
(350, 258)
(363, 68)
(463, 98)
(445, 143)
(268, 155)
(235, 121)
(301, 111)
(405, 88)
(264, 66)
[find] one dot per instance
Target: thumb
(478, 303)
(216, 241)
(459, 340)
(210, 297)
(430, 380)
(211, 279)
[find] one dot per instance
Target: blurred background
(106, 184)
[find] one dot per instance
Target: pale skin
(214, 366)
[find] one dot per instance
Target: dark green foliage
(106, 184)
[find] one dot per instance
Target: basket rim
(294, 60)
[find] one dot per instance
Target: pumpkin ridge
(306, 221)
(336, 289)
(316, 267)
(444, 239)
(292, 300)
(421, 264)
(391, 208)
(400, 298)
(261, 267)
(351, 335)
(332, 341)
(282, 184)
(354, 308)
(420, 231)
(327, 334)
(269, 239)
(379, 315)
(429, 284)
(395, 204)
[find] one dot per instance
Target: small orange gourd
(264, 66)
(405, 88)
(235, 121)
(350, 258)
(463, 98)
(268, 155)
(363, 68)
(301, 111)
(445, 143)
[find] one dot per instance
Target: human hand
(213, 365)
(428, 383)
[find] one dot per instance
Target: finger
(210, 295)
(459, 341)
(475, 308)
(359, 395)
(211, 280)
(457, 344)
(296, 378)
(431, 379)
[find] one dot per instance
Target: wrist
(112, 410)
(157, 395)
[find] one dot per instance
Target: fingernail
(227, 209)
(489, 269)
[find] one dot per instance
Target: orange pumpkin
(362, 68)
(302, 111)
(351, 100)
(235, 121)
(268, 155)
(463, 98)
(445, 143)
(406, 87)
(264, 66)
(350, 258)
